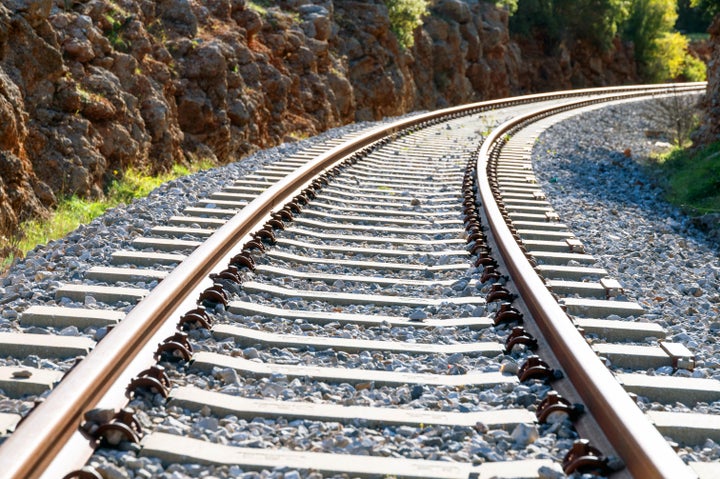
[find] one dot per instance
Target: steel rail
(645, 452)
(46, 431)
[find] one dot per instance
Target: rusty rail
(643, 449)
(49, 443)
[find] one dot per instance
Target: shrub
(710, 6)
(692, 178)
(599, 27)
(661, 54)
(694, 69)
(509, 5)
(405, 17)
(649, 21)
(676, 116)
(668, 55)
(537, 16)
(71, 212)
(669, 60)
(556, 21)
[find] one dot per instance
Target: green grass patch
(697, 37)
(72, 212)
(260, 6)
(692, 178)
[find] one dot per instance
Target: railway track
(405, 296)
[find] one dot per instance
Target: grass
(260, 6)
(88, 96)
(279, 18)
(117, 18)
(696, 37)
(73, 211)
(692, 178)
(299, 135)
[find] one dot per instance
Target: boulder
(455, 10)
(90, 87)
(177, 16)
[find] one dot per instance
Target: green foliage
(196, 165)
(117, 19)
(668, 55)
(691, 19)
(6, 262)
(133, 184)
(692, 178)
(260, 6)
(536, 18)
(509, 5)
(405, 17)
(693, 69)
(710, 6)
(661, 53)
(600, 27)
(73, 211)
(70, 213)
(114, 36)
(556, 21)
(671, 60)
(649, 22)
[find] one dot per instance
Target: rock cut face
(88, 89)
(709, 130)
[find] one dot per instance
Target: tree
(649, 20)
(593, 21)
(535, 16)
(405, 17)
(661, 53)
(671, 60)
(691, 18)
(710, 6)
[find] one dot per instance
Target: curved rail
(643, 449)
(38, 447)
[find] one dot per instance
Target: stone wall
(91, 87)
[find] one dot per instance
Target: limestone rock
(177, 15)
(91, 87)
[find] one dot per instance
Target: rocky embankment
(90, 87)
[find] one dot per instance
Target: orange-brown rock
(709, 130)
(95, 86)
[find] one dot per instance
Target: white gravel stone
(592, 186)
(653, 249)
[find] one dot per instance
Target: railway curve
(233, 270)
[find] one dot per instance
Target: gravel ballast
(662, 260)
(473, 445)
(664, 264)
(34, 279)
